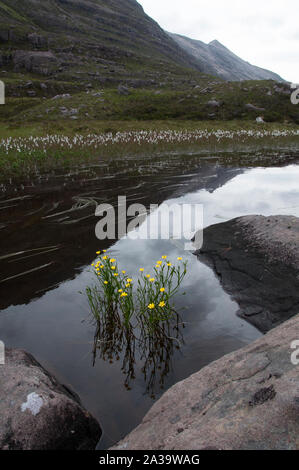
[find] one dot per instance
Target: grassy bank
(209, 101)
(33, 148)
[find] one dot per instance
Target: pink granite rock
(246, 400)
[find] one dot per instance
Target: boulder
(251, 107)
(213, 104)
(257, 259)
(38, 413)
(63, 96)
(5, 58)
(282, 90)
(37, 41)
(123, 90)
(39, 62)
(247, 400)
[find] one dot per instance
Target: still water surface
(48, 237)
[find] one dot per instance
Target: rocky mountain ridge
(216, 59)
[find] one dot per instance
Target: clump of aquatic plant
(148, 299)
(137, 315)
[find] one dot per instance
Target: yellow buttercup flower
(148, 275)
(120, 290)
(169, 264)
(162, 304)
(124, 294)
(105, 282)
(92, 264)
(128, 285)
(152, 279)
(164, 257)
(113, 267)
(115, 274)
(141, 270)
(180, 259)
(104, 257)
(129, 280)
(112, 260)
(124, 272)
(151, 306)
(104, 251)
(158, 266)
(162, 289)
(98, 252)
(102, 266)
(159, 262)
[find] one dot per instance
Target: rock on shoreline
(246, 400)
(257, 260)
(38, 413)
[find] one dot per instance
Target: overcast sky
(265, 33)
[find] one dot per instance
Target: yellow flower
(112, 260)
(151, 306)
(152, 279)
(129, 280)
(141, 270)
(128, 285)
(169, 264)
(124, 272)
(92, 264)
(105, 282)
(113, 267)
(124, 294)
(162, 304)
(105, 257)
(148, 275)
(162, 289)
(102, 266)
(180, 259)
(115, 274)
(159, 262)
(120, 291)
(104, 251)
(98, 252)
(164, 257)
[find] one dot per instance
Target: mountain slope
(86, 34)
(216, 59)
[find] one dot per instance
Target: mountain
(216, 59)
(108, 40)
(71, 38)
(106, 60)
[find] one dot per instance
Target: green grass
(30, 159)
(188, 104)
(70, 128)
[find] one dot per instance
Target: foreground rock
(246, 400)
(257, 260)
(37, 413)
